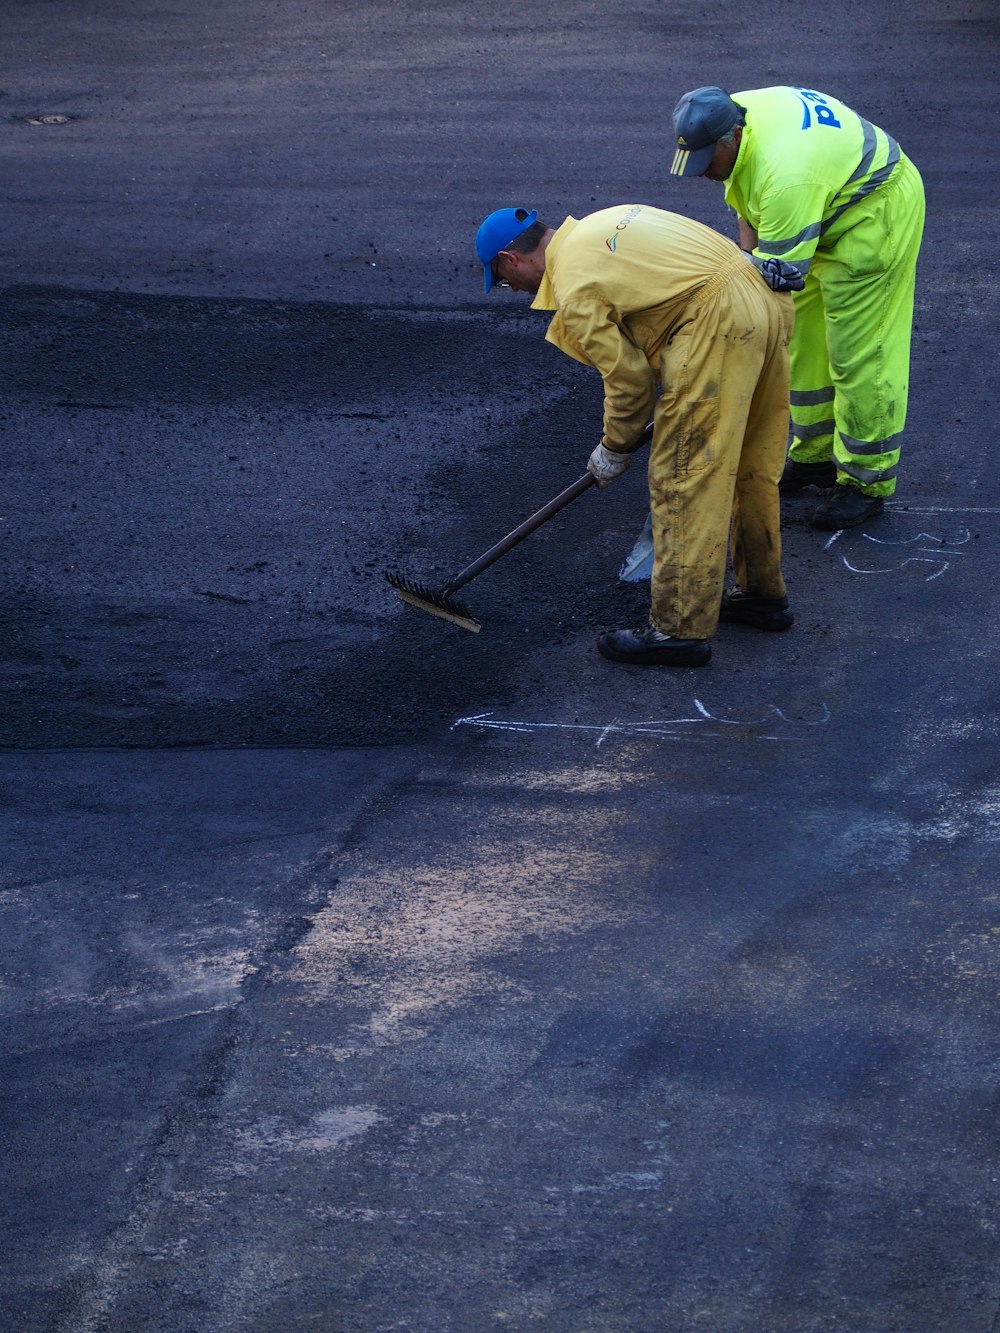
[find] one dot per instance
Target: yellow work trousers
(719, 444)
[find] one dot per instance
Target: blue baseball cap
(701, 118)
(496, 233)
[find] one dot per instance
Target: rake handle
(518, 535)
(530, 524)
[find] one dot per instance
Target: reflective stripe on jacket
(804, 159)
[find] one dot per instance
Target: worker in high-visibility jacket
(683, 331)
(830, 207)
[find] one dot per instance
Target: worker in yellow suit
(684, 331)
(828, 203)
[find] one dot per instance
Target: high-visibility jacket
(621, 281)
(804, 160)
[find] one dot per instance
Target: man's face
(519, 272)
(724, 158)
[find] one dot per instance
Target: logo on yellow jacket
(612, 241)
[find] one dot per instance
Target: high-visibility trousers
(719, 441)
(850, 352)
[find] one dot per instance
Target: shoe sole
(772, 621)
(833, 523)
(676, 657)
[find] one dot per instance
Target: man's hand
(605, 465)
(779, 276)
(748, 235)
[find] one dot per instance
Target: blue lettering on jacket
(816, 104)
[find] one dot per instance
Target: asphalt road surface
(358, 973)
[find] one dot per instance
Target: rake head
(437, 603)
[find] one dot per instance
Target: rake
(443, 602)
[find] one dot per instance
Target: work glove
(604, 465)
(779, 276)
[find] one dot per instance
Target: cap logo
(682, 141)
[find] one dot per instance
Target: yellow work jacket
(803, 161)
(621, 282)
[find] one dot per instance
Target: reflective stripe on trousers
(850, 355)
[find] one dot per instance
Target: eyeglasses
(497, 280)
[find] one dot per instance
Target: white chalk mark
(674, 728)
(611, 727)
(939, 509)
(839, 533)
(910, 560)
(486, 720)
(932, 548)
(960, 538)
(801, 721)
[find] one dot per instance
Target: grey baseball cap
(701, 118)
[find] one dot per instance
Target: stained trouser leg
(710, 374)
(756, 530)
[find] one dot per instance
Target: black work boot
(797, 476)
(746, 608)
(649, 646)
(846, 508)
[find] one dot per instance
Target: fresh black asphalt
(358, 973)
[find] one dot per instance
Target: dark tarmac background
(362, 974)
